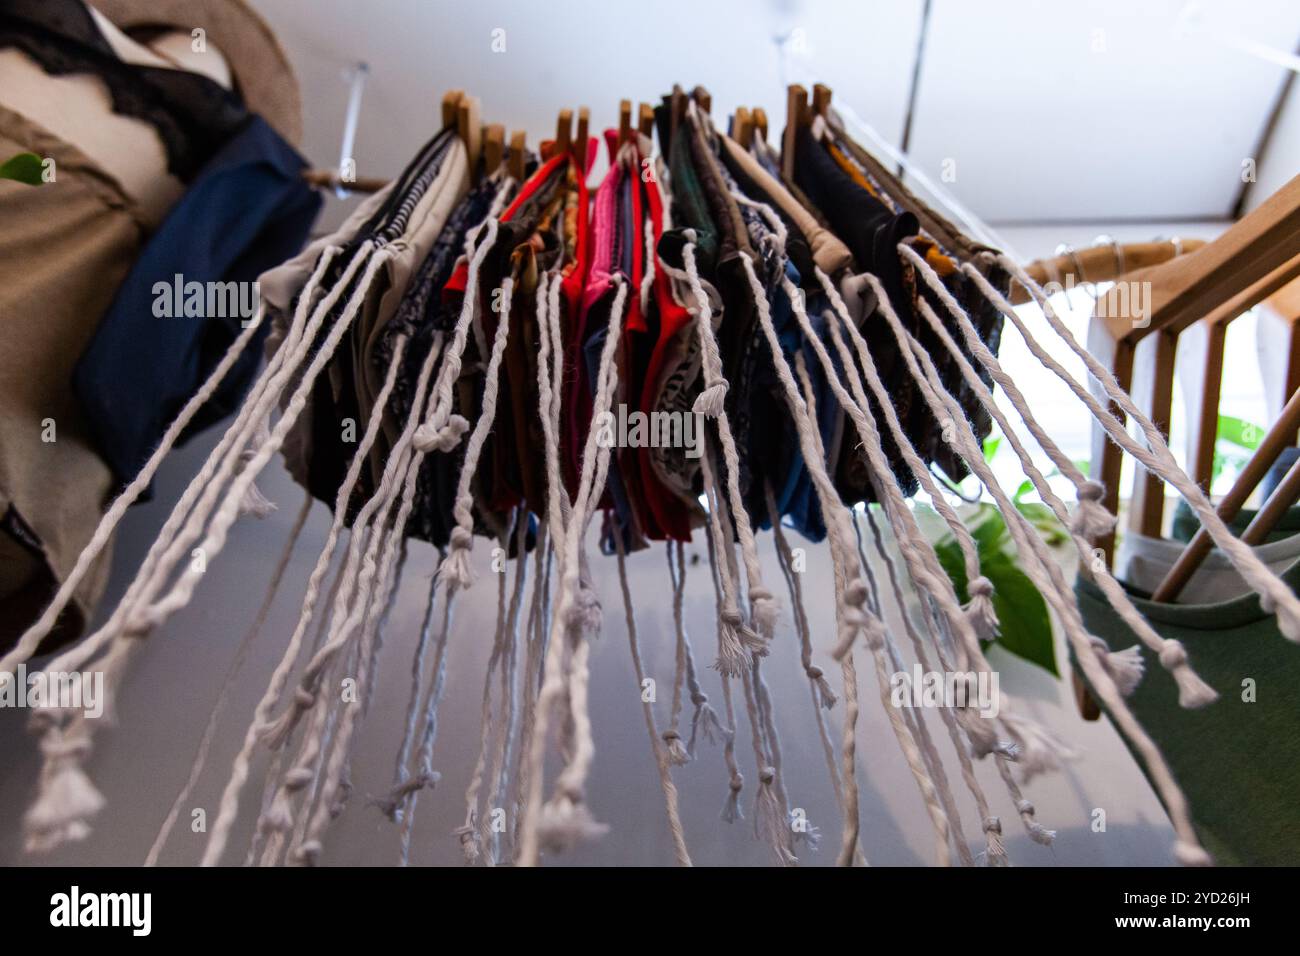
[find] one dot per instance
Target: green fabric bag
(1238, 762)
(1186, 523)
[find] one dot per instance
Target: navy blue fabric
(247, 211)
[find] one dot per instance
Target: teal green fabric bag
(1186, 523)
(1238, 762)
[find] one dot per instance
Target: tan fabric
(829, 253)
(77, 108)
(64, 249)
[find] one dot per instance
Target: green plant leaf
(1044, 520)
(1022, 613)
(1026, 628)
(1026, 488)
(1243, 434)
(989, 530)
(991, 446)
(25, 168)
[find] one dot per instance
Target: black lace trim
(194, 115)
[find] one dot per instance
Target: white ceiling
(1100, 110)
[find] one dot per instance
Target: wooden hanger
(329, 179)
(742, 127)
(624, 121)
(1172, 296)
(518, 155)
(563, 133)
(760, 123)
(470, 129)
(703, 99)
(677, 103)
(494, 147)
(646, 120)
(450, 101)
(821, 99)
(796, 115)
(1102, 263)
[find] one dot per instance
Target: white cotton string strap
(704, 719)
(785, 559)
(565, 819)
(558, 507)
(889, 492)
(1156, 457)
(657, 748)
(403, 463)
(737, 641)
(443, 430)
(947, 411)
(254, 503)
(771, 818)
(1047, 577)
(849, 589)
(712, 404)
(979, 610)
(1049, 580)
(337, 788)
(933, 766)
(539, 628)
(241, 653)
(68, 794)
(469, 835)
(771, 796)
(823, 695)
(506, 742)
(648, 279)
(330, 768)
(1090, 519)
(678, 754)
(850, 848)
(852, 593)
(32, 637)
(394, 802)
(224, 517)
(263, 726)
(731, 811)
(332, 726)
(994, 850)
(549, 370)
(771, 808)
(425, 774)
(457, 571)
(946, 715)
(391, 571)
(201, 481)
(1125, 667)
(266, 843)
(923, 564)
(367, 547)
